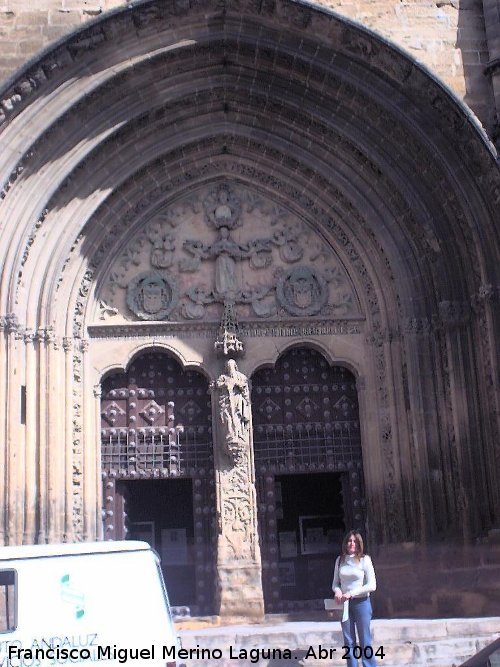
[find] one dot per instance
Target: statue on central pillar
(239, 585)
(234, 410)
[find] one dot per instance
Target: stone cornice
(255, 329)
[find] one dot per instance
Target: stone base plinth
(437, 580)
(239, 593)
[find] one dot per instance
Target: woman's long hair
(359, 545)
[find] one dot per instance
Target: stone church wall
(449, 36)
(409, 199)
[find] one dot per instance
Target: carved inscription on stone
(225, 246)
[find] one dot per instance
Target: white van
(68, 604)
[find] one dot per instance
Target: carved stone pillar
(30, 526)
(68, 438)
(453, 323)
(14, 442)
(91, 453)
(239, 581)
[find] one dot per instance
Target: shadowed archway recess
(323, 117)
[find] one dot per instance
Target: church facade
(249, 300)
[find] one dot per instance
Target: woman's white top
(354, 576)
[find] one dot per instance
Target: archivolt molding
(422, 229)
(152, 17)
(345, 38)
(426, 237)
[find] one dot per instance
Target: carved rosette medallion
(152, 296)
(302, 291)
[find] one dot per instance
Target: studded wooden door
(157, 466)
(309, 474)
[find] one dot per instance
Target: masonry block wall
(448, 36)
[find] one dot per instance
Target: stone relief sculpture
(152, 296)
(226, 252)
(262, 261)
(302, 291)
(227, 342)
(222, 207)
(106, 311)
(163, 242)
(234, 466)
(234, 409)
(287, 240)
(237, 515)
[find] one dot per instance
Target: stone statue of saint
(234, 407)
(226, 252)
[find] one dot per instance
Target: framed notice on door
(174, 547)
(317, 534)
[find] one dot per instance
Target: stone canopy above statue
(225, 245)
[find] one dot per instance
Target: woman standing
(353, 581)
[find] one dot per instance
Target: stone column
(43, 391)
(68, 439)
(55, 439)
(91, 466)
(453, 322)
(15, 448)
(239, 580)
(30, 527)
(3, 424)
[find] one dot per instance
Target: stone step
(405, 642)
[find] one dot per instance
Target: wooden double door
(158, 480)
(159, 483)
(310, 489)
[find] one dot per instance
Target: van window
(8, 600)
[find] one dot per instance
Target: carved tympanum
(225, 246)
